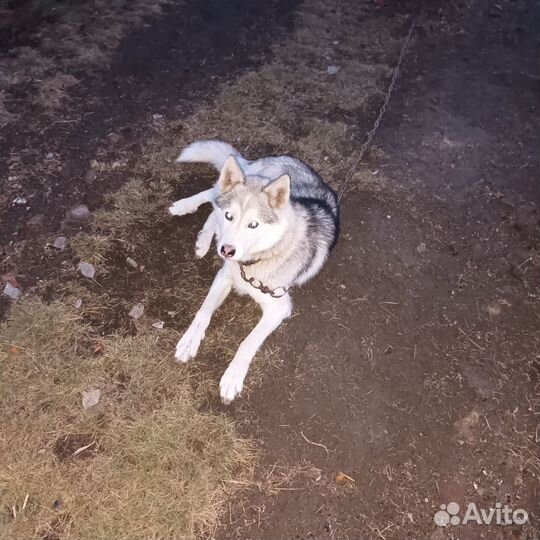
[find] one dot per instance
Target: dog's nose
(228, 251)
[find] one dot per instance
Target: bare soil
(408, 376)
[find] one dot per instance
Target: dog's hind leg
(204, 238)
(189, 205)
(189, 343)
(232, 382)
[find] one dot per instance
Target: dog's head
(252, 214)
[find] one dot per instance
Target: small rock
(494, 309)
(131, 262)
(79, 212)
(34, 226)
(89, 176)
(508, 200)
(49, 155)
(10, 276)
(60, 243)
(421, 248)
(137, 311)
(156, 117)
(90, 398)
(87, 270)
(78, 303)
(159, 325)
(342, 479)
(20, 201)
(332, 70)
(495, 11)
(467, 428)
(36, 221)
(12, 292)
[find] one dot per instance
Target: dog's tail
(213, 152)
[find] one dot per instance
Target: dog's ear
(231, 175)
(279, 191)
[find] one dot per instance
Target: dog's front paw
(232, 382)
(204, 241)
(187, 347)
(182, 207)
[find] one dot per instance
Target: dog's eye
(253, 225)
(228, 216)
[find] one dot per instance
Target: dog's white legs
(204, 238)
(190, 204)
(189, 343)
(274, 311)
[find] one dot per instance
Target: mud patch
(76, 446)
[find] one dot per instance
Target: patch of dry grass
(53, 90)
(99, 306)
(142, 463)
(138, 203)
(93, 248)
(126, 221)
(66, 37)
(5, 116)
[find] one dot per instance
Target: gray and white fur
(274, 217)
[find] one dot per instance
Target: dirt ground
(408, 377)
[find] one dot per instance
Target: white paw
(189, 343)
(232, 382)
(204, 241)
(182, 207)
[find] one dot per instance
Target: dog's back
(306, 184)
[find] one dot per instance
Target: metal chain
(258, 284)
(382, 110)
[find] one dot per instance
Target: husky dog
(275, 222)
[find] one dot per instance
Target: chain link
(382, 110)
(258, 284)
